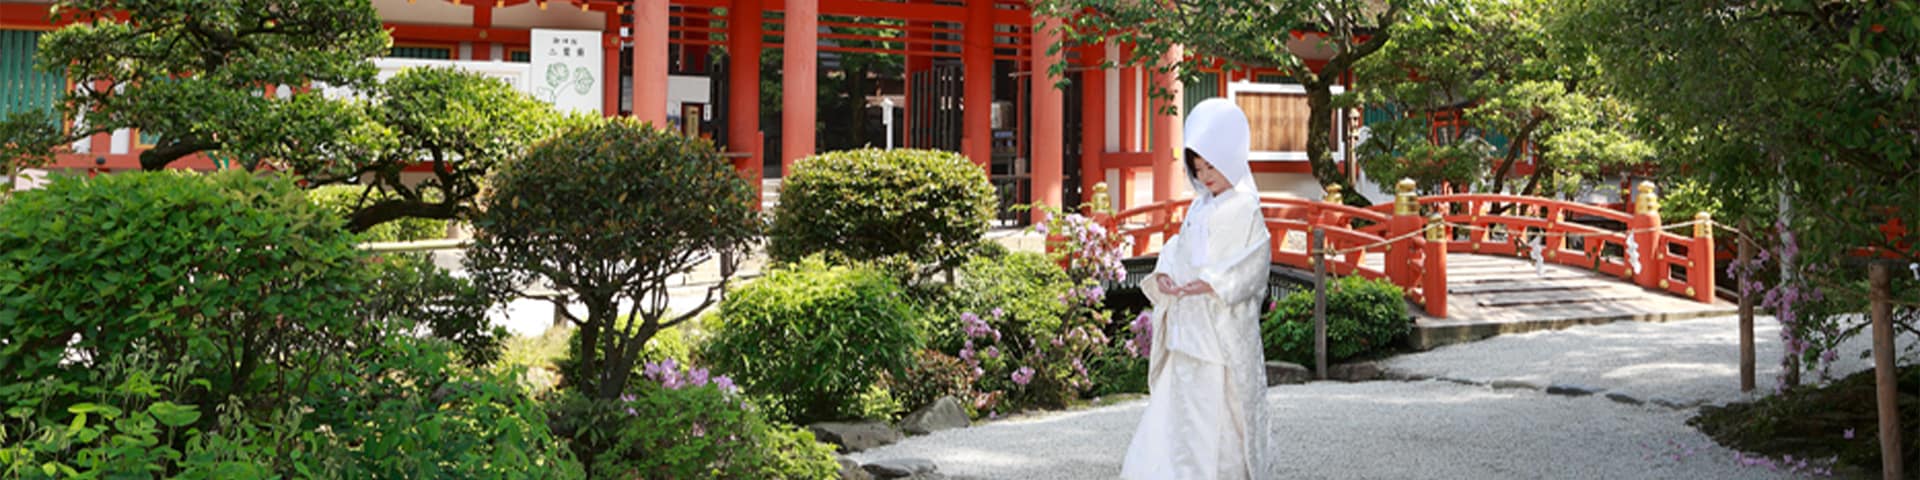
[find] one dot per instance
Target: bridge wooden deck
(1492, 295)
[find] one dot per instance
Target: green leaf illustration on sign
(582, 80)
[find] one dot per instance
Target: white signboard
(566, 69)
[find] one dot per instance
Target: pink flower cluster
(673, 376)
(1022, 376)
(1142, 328)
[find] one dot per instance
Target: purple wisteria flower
(1022, 376)
(1142, 328)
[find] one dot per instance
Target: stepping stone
(1571, 390)
(1513, 385)
(899, 467)
(854, 437)
(1624, 398)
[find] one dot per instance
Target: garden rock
(1624, 398)
(850, 470)
(1513, 385)
(854, 437)
(902, 468)
(945, 413)
(1354, 372)
(1571, 390)
(1280, 373)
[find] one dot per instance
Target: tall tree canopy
(1499, 66)
(1811, 104)
(1251, 34)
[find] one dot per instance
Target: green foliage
(1116, 370)
(1027, 287)
(1251, 34)
(210, 99)
(811, 337)
(411, 295)
(691, 432)
(462, 124)
(343, 200)
(1816, 124)
(1363, 317)
(1497, 64)
(414, 414)
(239, 272)
(866, 204)
(604, 213)
(412, 411)
(667, 344)
(933, 375)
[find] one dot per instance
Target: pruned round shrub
(237, 272)
(1363, 316)
(866, 204)
(343, 200)
(603, 213)
(811, 338)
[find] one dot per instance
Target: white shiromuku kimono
(1205, 417)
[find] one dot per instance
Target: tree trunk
(1319, 133)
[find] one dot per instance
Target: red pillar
(1167, 172)
(649, 62)
(744, 30)
(610, 64)
(483, 19)
(977, 61)
(801, 63)
(1049, 115)
(1093, 121)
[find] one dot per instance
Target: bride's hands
(1166, 285)
(1195, 287)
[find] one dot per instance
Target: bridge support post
(1646, 224)
(1406, 219)
(1700, 260)
(1434, 283)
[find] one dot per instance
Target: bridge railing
(1644, 253)
(1413, 235)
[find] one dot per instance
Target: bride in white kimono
(1205, 417)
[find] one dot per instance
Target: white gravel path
(1440, 429)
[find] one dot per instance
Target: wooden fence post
(1317, 245)
(1746, 309)
(1885, 377)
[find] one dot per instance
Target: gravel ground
(1690, 362)
(1438, 428)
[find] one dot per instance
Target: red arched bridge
(1409, 241)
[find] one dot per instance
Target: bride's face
(1210, 177)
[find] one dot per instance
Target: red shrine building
(968, 76)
